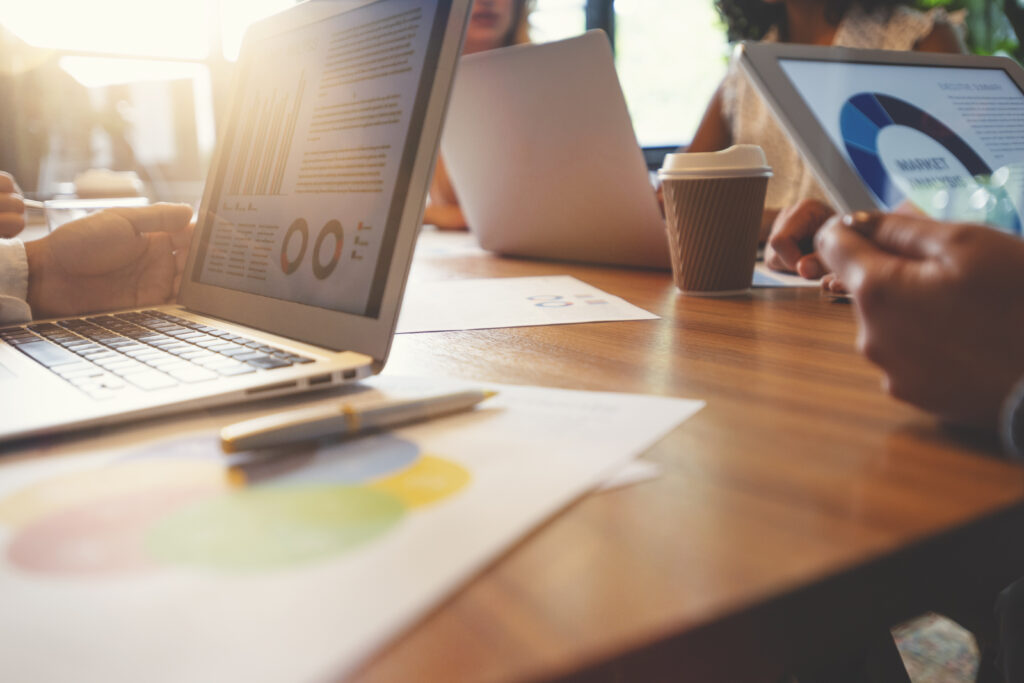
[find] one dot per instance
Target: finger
(180, 260)
(810, 267)
(911, 236)
(11, 224)
(847, 252)
(792, 232)
(157, 217)
(836, 286)
(181, 240)
(7, 184)
(11, 203)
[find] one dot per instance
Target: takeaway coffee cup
(713, 207)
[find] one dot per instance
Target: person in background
(736, 113)
(118, 258)
(492, 24)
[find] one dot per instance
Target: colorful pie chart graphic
(897, 147)
(183, 508)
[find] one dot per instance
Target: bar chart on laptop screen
(268, 130)
(321, 121)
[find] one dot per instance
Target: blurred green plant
(993, 26)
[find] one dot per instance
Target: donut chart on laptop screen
(902, 152)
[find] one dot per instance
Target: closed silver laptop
(542, 154)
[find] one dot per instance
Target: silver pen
(341, 419)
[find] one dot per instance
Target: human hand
(444, 216)
(940, 307)
(118, 258)
(12, 208)
(790, 245)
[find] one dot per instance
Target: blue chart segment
(865, 115)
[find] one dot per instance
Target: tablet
(944, 133)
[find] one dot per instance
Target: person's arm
(13, 283)
(13, 262)
(118, 258)
(713, 133)
(943, 38)
(940, 306)
(443, 209)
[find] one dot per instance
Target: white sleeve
(13, 283)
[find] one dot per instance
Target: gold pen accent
(352, 419)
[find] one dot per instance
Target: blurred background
(137, 85)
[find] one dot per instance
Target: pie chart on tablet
(901, 151)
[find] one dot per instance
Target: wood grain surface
(798, 514)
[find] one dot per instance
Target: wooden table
(801, 511)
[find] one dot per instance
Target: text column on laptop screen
(950, 140)
(304, 196)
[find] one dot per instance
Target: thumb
(911, 236)
(849, 253)
(162, 217)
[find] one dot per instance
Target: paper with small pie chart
(477, 304)
(141, 556)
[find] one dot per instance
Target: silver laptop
(542, 155)
(304, 237)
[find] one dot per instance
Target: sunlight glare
(152, 28)
(98, 72)
(236, 15)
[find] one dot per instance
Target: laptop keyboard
(151, 350)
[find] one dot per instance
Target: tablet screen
(949, 140)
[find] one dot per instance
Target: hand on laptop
(940, 306)
(12, 209)
(118, 258)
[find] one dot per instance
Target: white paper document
(139, 556)
(766, 277)
(479, 304)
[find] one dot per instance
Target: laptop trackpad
(5, 373)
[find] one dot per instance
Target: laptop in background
(304, 236)
(542, 154)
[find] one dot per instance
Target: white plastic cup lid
(736, 161)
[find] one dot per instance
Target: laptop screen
(318, 154)
(950, 140)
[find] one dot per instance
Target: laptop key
(47, 354)
(236, 369)
(18, 341)
(240, 351)
(150, 380)
(296, 358)
(192, 374)
(214, 362)
(81, 369)
(268, 363)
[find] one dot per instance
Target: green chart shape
(266, 528)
